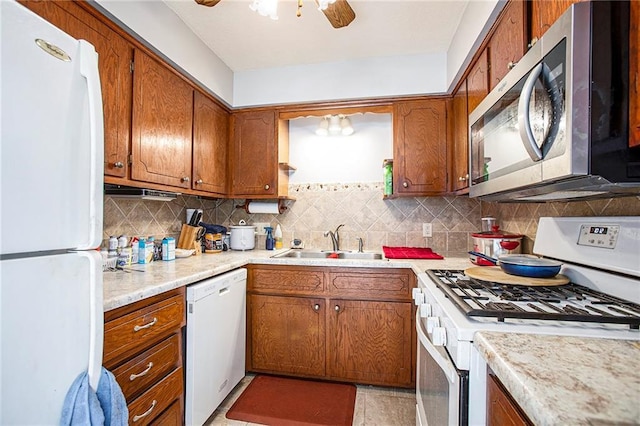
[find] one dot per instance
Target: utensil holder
(188, 238)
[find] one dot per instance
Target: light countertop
(122, 288)
(561, 380)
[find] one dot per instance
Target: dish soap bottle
(269, 243)
(278, 237)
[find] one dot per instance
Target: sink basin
(305, 254)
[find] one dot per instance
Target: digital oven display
(598, 230)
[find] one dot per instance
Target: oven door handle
(443, 362)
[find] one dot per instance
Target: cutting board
(495, 274)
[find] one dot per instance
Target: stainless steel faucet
(335, 237)
(360, 245)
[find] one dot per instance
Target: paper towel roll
(263, 207)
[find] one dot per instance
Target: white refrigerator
(51, 159)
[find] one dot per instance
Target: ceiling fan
(339, 13)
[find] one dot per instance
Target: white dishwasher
(215, 347)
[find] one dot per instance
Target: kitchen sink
(308, 254)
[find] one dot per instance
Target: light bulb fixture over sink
(338, 12)
(334, 125)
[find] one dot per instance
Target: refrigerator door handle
(96, 322)
(89, 70)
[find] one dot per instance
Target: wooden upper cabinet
(254, 159)
(634, 75)
(478, 82)
(544, 13)
(161, 125)
(508, 42)
(210, 141)
(115, 56)
(420, 147)
(460, 160)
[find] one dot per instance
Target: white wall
(161, 27)
(340, 159)
(363, 78)
(474, 25)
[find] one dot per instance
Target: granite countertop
(561, 380)
(122, 288)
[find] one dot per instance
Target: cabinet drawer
(142, 371)
(290, 281)
(172, 416)
(390, 284)
(149, 405)
(140, 329)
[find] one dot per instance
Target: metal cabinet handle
(316, 307)
(337, 308)
(199, 182)
(405, 185)
(118, 165)
(146, 413)
(266, 187)
(511, 65)
(141, 327)
(142, 373)
(185, 179)
(533, 41)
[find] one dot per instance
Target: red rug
(272, 400)
(410, 253)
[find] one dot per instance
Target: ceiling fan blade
(209, 3)
(340, 13)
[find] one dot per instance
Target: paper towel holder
(245, 206)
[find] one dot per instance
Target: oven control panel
(604, 236)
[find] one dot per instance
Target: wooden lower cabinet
(502, 410)
(370, 342)
(288, 334)
(344, 324)
(143, 349)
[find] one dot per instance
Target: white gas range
(601, 257)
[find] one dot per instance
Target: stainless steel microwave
(557, 126)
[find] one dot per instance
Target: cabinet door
(477, 88)
(545, 12)
(210, 140)
(460, 174)
(420, 147)
(507, 44)
(254, 163)
(162, 124)
(287, 335)
(634, 76)
(115, 56)
(502, 410)
(370, 342)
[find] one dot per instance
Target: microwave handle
(524, 122)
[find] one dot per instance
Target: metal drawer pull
(143, 373)
(118, 165)
(337, 308)
(140, 327)
(316, 307)
(146, 413)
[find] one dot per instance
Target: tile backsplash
(360, 206)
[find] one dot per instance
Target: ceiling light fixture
(334, 125)
(265, 8)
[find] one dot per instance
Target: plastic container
(142, 250)
(269, 242)
(387, 173)
(277, 235)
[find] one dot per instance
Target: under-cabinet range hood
(118, 191)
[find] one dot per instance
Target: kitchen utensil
(198, 216)
(488, 223)
(481, 259)
(529, 266)
(495, 243)
(243, 236)
(495, 274)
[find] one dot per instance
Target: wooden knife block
(187, 239)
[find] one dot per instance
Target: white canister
(243, 237)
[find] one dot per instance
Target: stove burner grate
(570, 302)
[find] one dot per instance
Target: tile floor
(375, 406)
